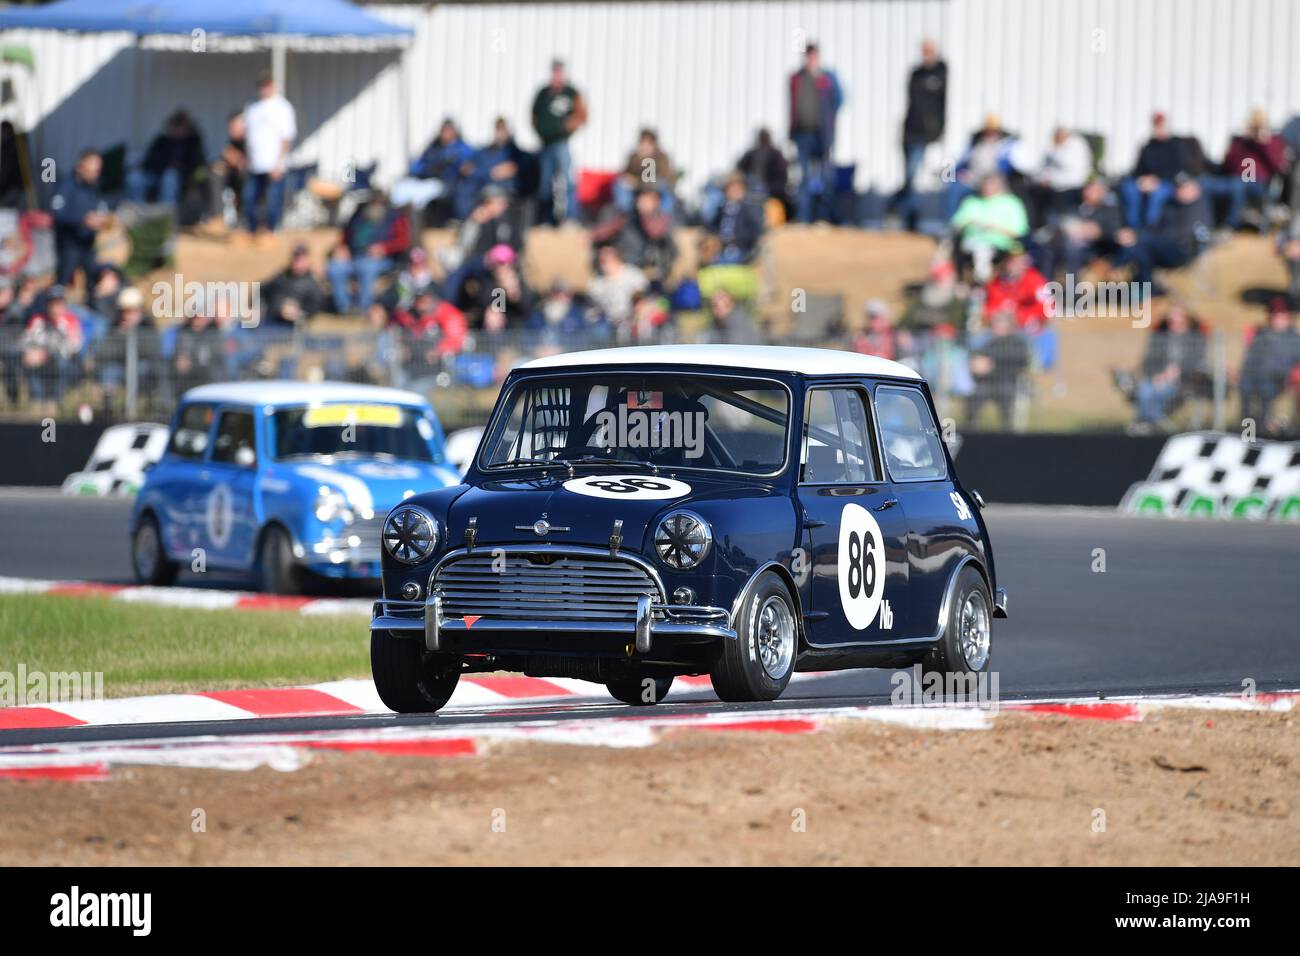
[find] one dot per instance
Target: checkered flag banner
(118, 463)
(1212, 475)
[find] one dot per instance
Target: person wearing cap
(989, 153)
(1151, 184)
(298, 284)
(815, 100)
(80, 213)
(504, 299)
(1270, 362)
(559, 111)
(1254, 157)
(878, 337)
(130, 321)
(51, 347)
(372, 240)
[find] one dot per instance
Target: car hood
(369, 484)
(504, 507)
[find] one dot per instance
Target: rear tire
(148, 559)
(277, 571)
(758, 665)
(967, 643)
(640, 690)
(409, 678)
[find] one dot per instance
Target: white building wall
(708, 74)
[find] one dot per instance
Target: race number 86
(861, 566)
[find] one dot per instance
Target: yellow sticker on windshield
(325, 416)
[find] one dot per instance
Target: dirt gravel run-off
(1182, 787)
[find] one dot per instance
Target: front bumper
(653, 622)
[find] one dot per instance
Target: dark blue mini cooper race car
(635, 514)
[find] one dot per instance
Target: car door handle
(886, 504)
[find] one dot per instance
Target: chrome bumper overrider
(1000, 602)
(652, 620)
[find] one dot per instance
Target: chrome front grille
(543, 586)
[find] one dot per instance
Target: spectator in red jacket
(433, 325)
(1254, 157)
(1018, 284)
(373, 238)
(815, 101)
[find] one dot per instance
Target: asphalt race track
(1182, 606)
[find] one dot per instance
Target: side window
(837, 439)
(235, 443)
(909, 436)
(191, 437)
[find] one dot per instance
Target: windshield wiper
(543, 462)
(607, 460)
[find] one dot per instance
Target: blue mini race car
(282, 478)
(637, 514)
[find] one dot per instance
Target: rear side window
(235, 442)
(191, 437)
(909, 436)
(836, 439)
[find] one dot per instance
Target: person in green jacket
(988, 223)
(559, 111)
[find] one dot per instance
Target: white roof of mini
(299, 393)
(771, 358)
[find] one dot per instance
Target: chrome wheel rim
(146, 551)
(774, 634)
(974, 630)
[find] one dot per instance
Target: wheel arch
(791, 586)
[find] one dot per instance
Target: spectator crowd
(1011, 227)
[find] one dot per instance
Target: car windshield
(357, 430)
(676, 420)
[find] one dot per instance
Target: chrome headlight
(410, 534)
(331, 505)
(682, 540)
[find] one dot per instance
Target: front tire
(640, 690)
(967, 643)
(409, 678)
(277, 571)
(148, 559)
(758, 665)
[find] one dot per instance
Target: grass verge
(158, 650)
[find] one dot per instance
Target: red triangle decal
(471, 619)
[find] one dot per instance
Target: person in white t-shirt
(271, 130)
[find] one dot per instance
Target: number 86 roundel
(861, 566)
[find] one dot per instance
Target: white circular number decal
(861, 566)
(627, 487)
(220, 516)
